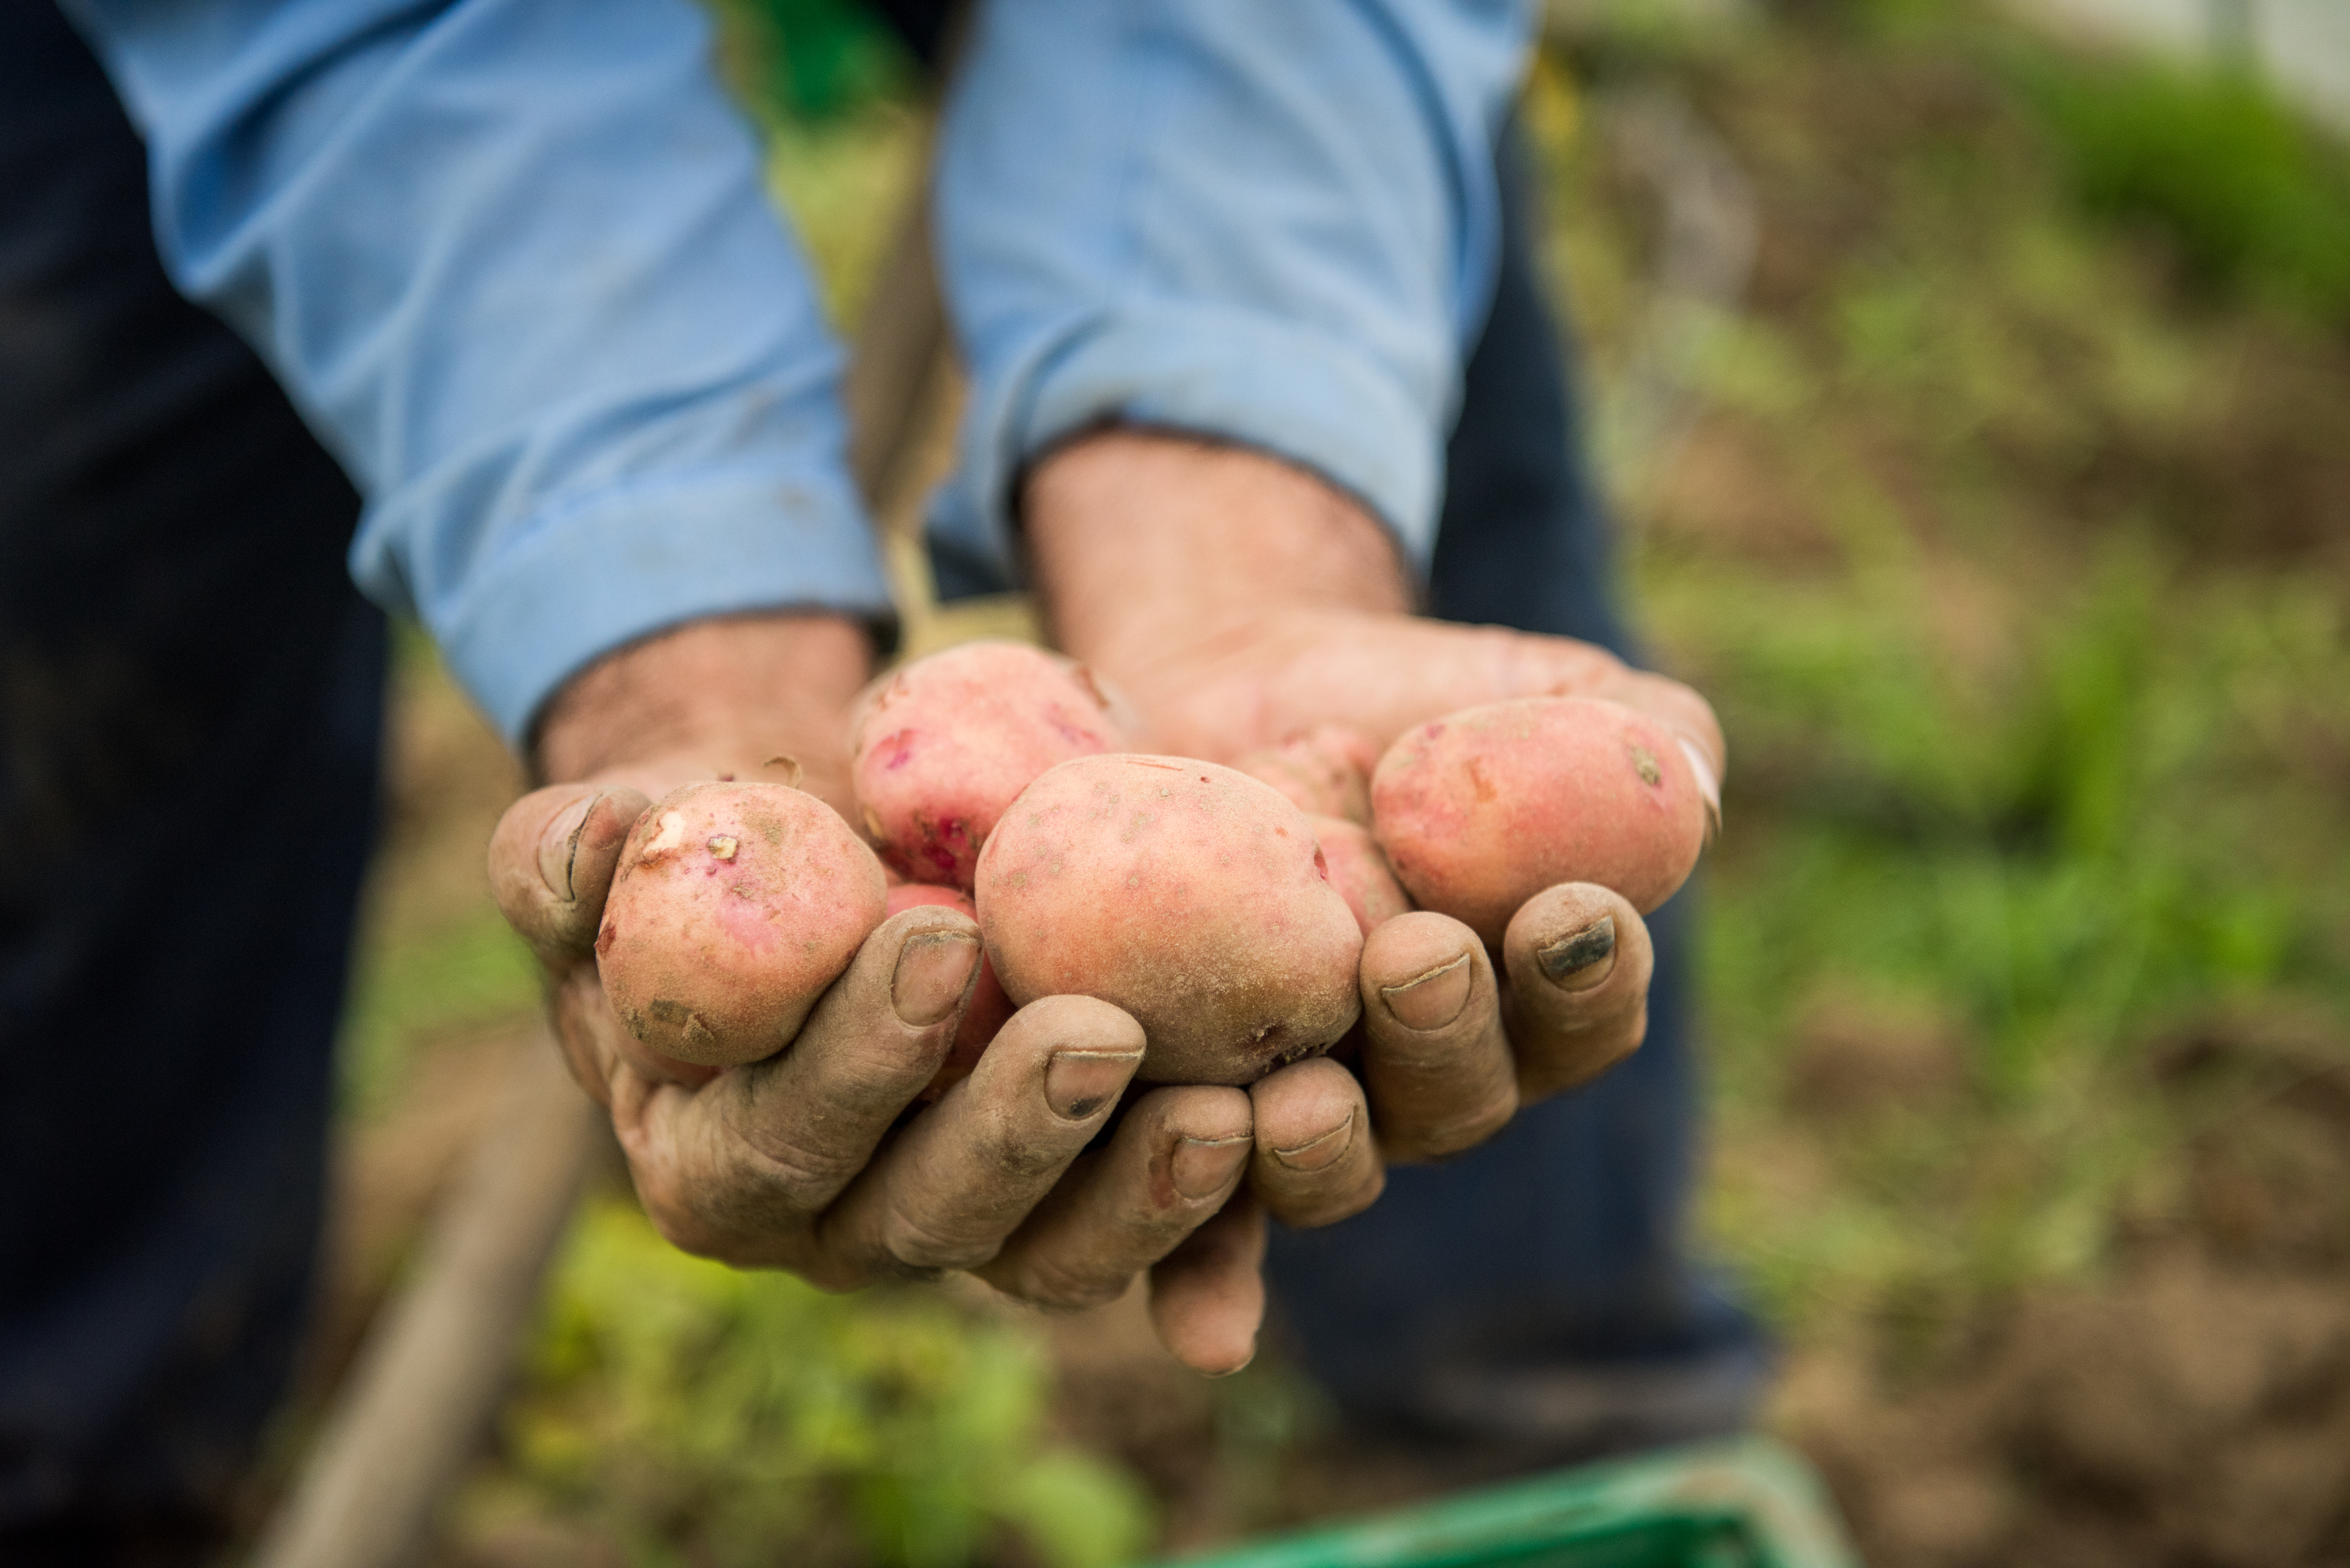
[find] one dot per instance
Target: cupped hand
(1238, 601)
(822, 1159)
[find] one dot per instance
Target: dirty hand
(1239, 600)
(807, 1162)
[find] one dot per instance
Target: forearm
(1146, 547)
(516, 264)
(1274, 228)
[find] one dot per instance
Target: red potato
(988, 1010)
(1359, 871)
(1189, 894)
(734, 905)
(943, 746)
(1483, 809)
(1325, 772)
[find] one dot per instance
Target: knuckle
(832, 1274)
(1312, 1210)
(680, 1225)
(844, 1060)
(1051, 1283)
(789, 1177)
(926, 1247)
(1595, 1055)
(1444, 1142)
(1023, 1161)
(1440, 1140)
(1433, 1056)
(778, 1160)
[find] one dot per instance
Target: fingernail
(1435, 999)
(1079, 1083)
(1204, 1167)
(1235, 1371)
(1581, 960)
(933, 970)
(559, 846)
(1708, 784)
(1321, 1153)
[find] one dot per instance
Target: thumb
(551, 862)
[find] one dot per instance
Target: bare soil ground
(2190, 1407)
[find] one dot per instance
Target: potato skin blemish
(723, 970)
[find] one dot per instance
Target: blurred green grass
(467, 973)
(2254, 199)
(692, 1414)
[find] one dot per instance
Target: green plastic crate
(1751, 1504)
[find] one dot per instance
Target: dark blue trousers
(190, 703)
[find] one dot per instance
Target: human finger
(1316, 1162)
(963, 1174)
(1175, 1158)
(598, 1044)
(551, 862)
(1579, 961)
(1435, 1063)
(1207, 1296)
(1689, 716)
(739, 1169)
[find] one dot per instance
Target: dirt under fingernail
(1078, 1084)
(1434, 999)
(1581, 960)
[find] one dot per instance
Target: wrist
(1154, 555)
(721, 695)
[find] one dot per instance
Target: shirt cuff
(1295, 392)
(605, 571)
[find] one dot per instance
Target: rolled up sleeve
(514, 262)
(1271, 224)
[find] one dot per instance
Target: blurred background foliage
(2009, 543)
(2009, 529)
(696, 1415)
(2251, 197)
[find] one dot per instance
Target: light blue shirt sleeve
(1271, 223)
(514, 262)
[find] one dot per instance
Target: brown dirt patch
(2191, 1408)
